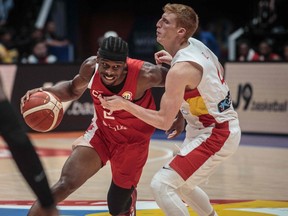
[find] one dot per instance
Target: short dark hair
(114, 49)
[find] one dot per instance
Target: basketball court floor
(253, 182)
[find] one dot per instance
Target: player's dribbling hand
(27, 95)
(162, 57)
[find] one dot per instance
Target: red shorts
(127, 160)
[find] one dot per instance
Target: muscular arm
(71, 89)
(181, 76)
(150, 76)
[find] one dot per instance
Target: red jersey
(121, 127)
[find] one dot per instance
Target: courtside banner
(260, 95)
(17, 79)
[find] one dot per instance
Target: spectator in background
(28, 40)
(37, 34)
(40, 54)
(285, 52)
(266, 14)
(58, 45)
(51, 36)
(266, 53)
(8, 49)
(246, 52)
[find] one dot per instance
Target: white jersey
(210, 103)
(212, 135)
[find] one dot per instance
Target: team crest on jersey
(225, 104)
(127, 95)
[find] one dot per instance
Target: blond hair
(186, 17)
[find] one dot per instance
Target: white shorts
(199, 157)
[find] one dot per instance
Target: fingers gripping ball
(43, 111)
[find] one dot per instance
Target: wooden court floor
(257, 173)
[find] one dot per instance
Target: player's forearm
(149, 116)
(67, 90)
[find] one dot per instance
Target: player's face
(166, 29)
(111, 72)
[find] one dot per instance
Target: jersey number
(108, 115)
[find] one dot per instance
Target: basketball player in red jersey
(117, 136)
(25, 155)
(195, 86)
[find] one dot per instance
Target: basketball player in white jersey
(195, 86)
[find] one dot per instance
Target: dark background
(84, 21)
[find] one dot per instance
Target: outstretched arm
(180, 77)
(161, 119)
(171, 101)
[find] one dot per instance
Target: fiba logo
(127, 95)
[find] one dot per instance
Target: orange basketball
(43, 111)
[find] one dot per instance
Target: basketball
(43, 111)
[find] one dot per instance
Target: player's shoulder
(182, 66)
(134, 61)
(139, 65)
(185, 69)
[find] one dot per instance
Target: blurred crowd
(263, 51)
(28, 44)
(36, 48)
(44, 45)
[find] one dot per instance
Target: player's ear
(181, 31)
